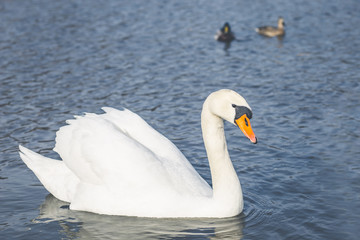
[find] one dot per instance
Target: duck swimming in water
(225, 34)
(270, 31)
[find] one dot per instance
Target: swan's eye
(233, 105)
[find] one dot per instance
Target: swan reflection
(95, 226)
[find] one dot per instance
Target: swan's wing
(135, 127)
(121, 150)
(183, 174)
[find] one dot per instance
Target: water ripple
(159, 59)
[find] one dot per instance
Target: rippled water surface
(159, 59)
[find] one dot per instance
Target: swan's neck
(225, 182)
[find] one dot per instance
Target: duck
(115, 163)
(270, 31)
(225, 34)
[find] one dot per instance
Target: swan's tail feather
(30, 158)
(53, 174)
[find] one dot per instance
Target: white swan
(115, 163)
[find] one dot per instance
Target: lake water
(159, 59)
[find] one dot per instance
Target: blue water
(159, 59)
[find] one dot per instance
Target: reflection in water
(280, 40)
(227, 45)
(84, 225)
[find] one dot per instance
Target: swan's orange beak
(243, 123)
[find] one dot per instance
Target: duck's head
(232, 107)
(226, 28)
(281, 23)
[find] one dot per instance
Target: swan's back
(119, 150)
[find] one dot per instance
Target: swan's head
(232, 107)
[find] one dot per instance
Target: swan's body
(270, 31)
(116, 164)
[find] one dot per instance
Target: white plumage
(115, 163)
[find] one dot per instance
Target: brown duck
(270, 31)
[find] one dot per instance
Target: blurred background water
(159, 59)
